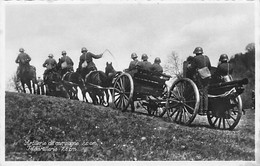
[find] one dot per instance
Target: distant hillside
(244, 67)
(49, 128)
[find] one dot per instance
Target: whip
(111, 55)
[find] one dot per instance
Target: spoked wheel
(123, 90)
(183, 101)
(229, 118)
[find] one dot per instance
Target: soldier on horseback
(66, 63)
(24, 62)
(86, 63)
(50, 65)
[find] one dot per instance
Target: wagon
(181, 102)
(224, 102)
(146, 87)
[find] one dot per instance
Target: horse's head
(109, 70)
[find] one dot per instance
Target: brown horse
(28, 77)
(98, 83)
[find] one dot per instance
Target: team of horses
(64, 83)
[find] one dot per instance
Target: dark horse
(71, 81)
(98, 83)
(28, 77)
(54, 86)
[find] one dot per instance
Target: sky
(156, 29)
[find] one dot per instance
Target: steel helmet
(84, 49)
(21, 50)
(198, 50)
(50, 55)
(157, 60)
(223, 58)
(133, 55)
(144, 57)
(63, 53)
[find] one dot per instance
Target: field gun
(221, 87)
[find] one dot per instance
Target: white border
(119, 163)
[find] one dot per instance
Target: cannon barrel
(231, 83)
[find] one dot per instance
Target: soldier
(224, 69)
(50, 65)
(134, 62)
(24, 62)
(66, 63)
(200, 61)
(86, 61)
(156, 67)
(145, 64)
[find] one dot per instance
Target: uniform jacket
(225, 69)
(133, 64)
(156, 67)
(50, 63)
(22, 58)
(88, 57)
(200, 61)
(68, 60)
(145, 65)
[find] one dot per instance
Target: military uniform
(50, 64)
(88, 58)
(145, 65)
(199, 61)
(69, 62)
(156, 67)
(225, 69)
(133, 65)
(23, 59)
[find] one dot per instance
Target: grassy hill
(49, 128)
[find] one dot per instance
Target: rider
(224, 69)
(50, 65)
(24, 62)
(145, 64)
(156, 67)
(86, 61)
(200, 61)
(66, 63)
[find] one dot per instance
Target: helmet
(223, 58)
(157, 60)
(21, 50)
(50, 55)
(63, 53)
(84, 49)
(133, 55)
(144, 57)
(198, 50)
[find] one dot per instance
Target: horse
(28, 77)
(73, 80)
(54, 86)
(103, 80)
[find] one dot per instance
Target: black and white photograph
(129, 82)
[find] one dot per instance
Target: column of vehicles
(178, 102)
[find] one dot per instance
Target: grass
(41, 128)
